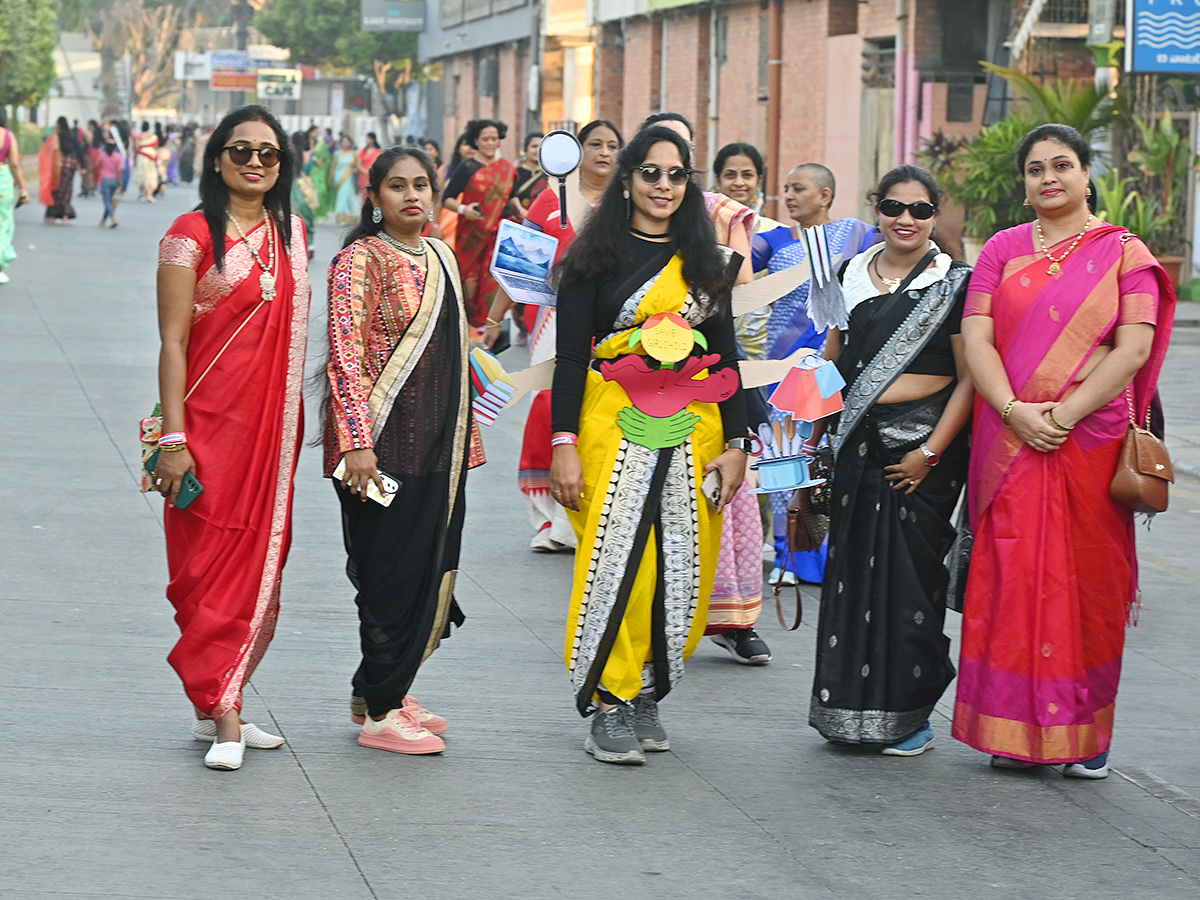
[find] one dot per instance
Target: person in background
(446, 220)
(146, 155)
(13, 192)
(883, 660)
(345, 182)
(108, 169)
(58, 161)
(1066, 326)
(187, 154)
(304, 195)
(399, 403)
(531, 180)
(321, 173)
(233, 299)
(434, 151)
(366, 157)
(808, 193)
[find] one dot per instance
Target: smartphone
(711, 488)
(390, 485)
(189, 486)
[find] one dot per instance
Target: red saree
(490, 186)
(1054, 569)
(226, 551)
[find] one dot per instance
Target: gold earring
(1027, 204)
(1089, 190)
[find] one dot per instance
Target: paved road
(102, 794)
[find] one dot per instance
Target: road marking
(1162, 789)
(1165, 565)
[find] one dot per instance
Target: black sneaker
(745, 646)
(647, 727)
(612, 739)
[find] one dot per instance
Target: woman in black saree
(901, 451)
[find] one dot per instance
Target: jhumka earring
(376, 215)
(1089, 190)
(430, 215)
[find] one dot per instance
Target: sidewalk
(104, 794)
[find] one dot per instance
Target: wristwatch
(743, 443)
(931, 458)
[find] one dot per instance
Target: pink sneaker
(400, 732)
(432, 723)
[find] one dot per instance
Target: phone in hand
(711, 488)
(189, 486)
(390, 485)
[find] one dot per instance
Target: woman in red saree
(479, 191)
(233, 299)
(1066, 326)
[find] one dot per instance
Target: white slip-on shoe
(226, 754)
(205, 731)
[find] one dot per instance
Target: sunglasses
(677, 176)
(239, 155)
(919, 210)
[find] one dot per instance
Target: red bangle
(560, 440)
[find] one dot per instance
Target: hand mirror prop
(559, 155)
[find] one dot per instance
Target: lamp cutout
(810, 391)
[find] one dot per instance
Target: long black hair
(600, 252)
(214, 193)
(476, 126)
(378, 171)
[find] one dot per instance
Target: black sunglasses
(239, 155)
(919, 210)
(654, 174)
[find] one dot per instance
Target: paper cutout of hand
(656, 433)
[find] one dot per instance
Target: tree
(316, 34)
(28, 35)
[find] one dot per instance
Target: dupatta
(1046, 329)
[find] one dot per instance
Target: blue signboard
(1164, 36)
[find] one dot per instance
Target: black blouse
(587, 311)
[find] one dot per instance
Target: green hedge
(29, 138)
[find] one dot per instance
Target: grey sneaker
(611, 738)
(646, 726)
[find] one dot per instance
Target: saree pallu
(636, 615)
(8, 203)
(490, 187)
(226, 551)
(1054, 570)
(49, 170)
(322, 178)
(883, 660)
(347, 203)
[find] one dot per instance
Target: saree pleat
(490, 187)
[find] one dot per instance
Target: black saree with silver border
(883, 660)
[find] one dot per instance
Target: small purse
(1144, 470)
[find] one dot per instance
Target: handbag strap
(779, 589)
(1132, 412)
(223, 349)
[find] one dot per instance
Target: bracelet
(562, 439)
(492, 323)
(174, 437)
(171, 448)
(1008, 408)
(1055, 423)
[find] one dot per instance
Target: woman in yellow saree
(639, 423)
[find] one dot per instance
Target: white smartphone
(390, 484)
(711, 488)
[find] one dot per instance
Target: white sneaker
(789, 578)
(4, 279)
(205, 731)
(226, 754)
(542, 541)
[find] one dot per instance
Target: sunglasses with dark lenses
(239, 155)
(919, 210)
(677, 176)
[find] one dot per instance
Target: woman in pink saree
(1066, 325)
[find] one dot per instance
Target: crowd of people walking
(983, 416)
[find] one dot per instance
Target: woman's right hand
(1029, 422)
(471, 211)
(490, 334)
(362, 467)
(566, 476)
(168, 474)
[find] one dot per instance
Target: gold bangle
(492, 323)
(1008, 408)
(1055, 423)
(171, 448)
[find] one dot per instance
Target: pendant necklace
(1057, 261)
(418, 250)
(889, 283)
(267, 280)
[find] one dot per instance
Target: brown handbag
(1144, 470)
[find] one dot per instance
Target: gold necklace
(1056, 262)
(267, 280)
(889, 283)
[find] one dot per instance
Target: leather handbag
(1144, 470)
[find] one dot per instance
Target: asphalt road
(103, 794)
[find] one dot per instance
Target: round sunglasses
(239, 155)
(919, 210)
(677, 175)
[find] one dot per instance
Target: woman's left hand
(732, 466)
(907, 474)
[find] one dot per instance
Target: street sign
(279, 84)
(393, 15)
(1164, 36)
(233, 80)
(230, 59)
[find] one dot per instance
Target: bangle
(1055, 422)
(174, 437)
(561, 439)
(171, 448)
(1008, 408)
(492, 323)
